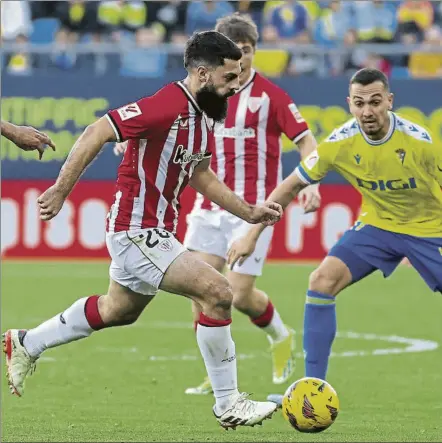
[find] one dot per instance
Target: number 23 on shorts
(154, 238)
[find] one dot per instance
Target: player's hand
(268, 213)
(240, 250)
(310, 198)
(120, 148)
(30, 139)
(50, 203)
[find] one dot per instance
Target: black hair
(366, 76)
(239, 28)
(209, 48)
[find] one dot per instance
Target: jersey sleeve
(289, 119)
(138, 119)
(316, 166)
(434, 155)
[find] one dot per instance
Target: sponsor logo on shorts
(165, 246)
(62, 319)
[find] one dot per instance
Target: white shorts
(213, 232)
(140, 259)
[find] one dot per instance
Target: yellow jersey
(399, 177)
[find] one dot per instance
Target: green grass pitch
(127, 384)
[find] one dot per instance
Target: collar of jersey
(189, 96)
(247, 83)
(387, 136)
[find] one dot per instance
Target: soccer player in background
(26, 138)
(397, 168)
(169, 148)
(247, 158)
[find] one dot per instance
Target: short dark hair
(209, 48)
(366, 76)
(239, 28)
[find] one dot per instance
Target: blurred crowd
(143, 25)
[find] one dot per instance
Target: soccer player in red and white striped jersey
(170, 146)
(247, 158)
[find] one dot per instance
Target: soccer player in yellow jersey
(397, 168)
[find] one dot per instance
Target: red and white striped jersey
(168, 136)
(248, 146)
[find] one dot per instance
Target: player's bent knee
(116, 314)
(219, 297)
(321, 280)
(241, 298)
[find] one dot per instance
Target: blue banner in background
(64, 104)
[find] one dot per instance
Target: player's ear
(390, 99)
(203, 74)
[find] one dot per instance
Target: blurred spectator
(409, 33)
(172, 16)
(146, 60)
(426, 64)
(123, 15)
(419, 12)
(334, 25)
(289, 22)
(77, 17)
(375, 21)
(253, 8)
(16, 26)
(313, 8)
(202, 15)
(438, 13)
(334, 29)
(375, 61)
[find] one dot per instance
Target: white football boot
(18, 362)
(276, 398)
(245, 412)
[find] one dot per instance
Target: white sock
(65, 327)
(276, 329)
(218, 351)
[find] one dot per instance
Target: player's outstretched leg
(257, 306)
(22, 348)
(197, 280)
(325, 283)
(331, 277)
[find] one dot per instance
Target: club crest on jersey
(129, 111)
(182, 156)
(401, 154)
(254, 103)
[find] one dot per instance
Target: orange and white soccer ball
(310, 405)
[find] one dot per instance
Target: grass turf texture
(127, 384)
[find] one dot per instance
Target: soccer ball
(310, 405)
